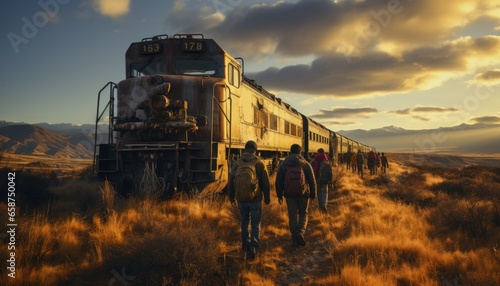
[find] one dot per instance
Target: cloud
(421, 118)
(380, 73)
(494, 119)
(423, 109)
(343, 123)
(319, 27)
(433, 109)
(112, 8)
(345, 112)
(488, 77)
(359, 48)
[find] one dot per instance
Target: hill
(29, 139)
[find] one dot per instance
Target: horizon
(474, 139)
(347, 64)
(490, 125)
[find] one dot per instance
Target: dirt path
(301, 264)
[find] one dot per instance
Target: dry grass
(413, 226)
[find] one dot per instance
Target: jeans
(322, 195)
(251, 213)
(298, 204)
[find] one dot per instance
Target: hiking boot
(300, 240)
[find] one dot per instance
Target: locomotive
(184, 112)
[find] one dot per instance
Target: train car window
(273, 122)
(255, 115)
(287, 127)
(234, 75)
(265, 119)
(260, 118)
(299, 131)
(294, 129)
(147, 68)
(194, 67)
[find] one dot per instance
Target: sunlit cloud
(493, 119)
(112, 8)
(360, 48)
(345, 112)
(421, 118)
(489, 77)
(423, 109)
(322, 26)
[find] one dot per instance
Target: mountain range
(58, 140)
(464, 138)
(77, 141)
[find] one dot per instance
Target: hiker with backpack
(247, 184)
(295, 180)
(360, 159)
(372, 158)
(385, 163)
(324, 175)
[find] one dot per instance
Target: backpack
(295, 180)
(245, 181)
(325, 173)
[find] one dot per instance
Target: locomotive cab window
(194, 67)
(147, 68)
(233, 75)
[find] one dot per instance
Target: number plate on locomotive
(151, 48)
(193, 46)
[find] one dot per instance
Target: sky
(414, 64)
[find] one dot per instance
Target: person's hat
(251, 145)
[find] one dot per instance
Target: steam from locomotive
(184, 112)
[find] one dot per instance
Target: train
(183, 114)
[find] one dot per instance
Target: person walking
(372, 158)
(360, 158)
(248, 183)
(323, 174)
(385, 163)
(295, 181)
(353, 162)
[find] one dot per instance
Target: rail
(110, 105)
(228, 119)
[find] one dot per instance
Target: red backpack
(295, 180)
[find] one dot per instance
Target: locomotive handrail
(154, 38)
(229, 120)
(187, 36)
(112, 87)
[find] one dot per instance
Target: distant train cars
(184, 112)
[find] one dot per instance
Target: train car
(318, 136)
(183, 114)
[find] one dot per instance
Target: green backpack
(245, 181)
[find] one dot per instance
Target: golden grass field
(413, 226)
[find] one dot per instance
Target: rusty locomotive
(185, 111)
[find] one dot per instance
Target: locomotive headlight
(159, 102)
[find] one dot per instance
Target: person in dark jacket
(322, 188)
(251, 211)
(360, 159)
(296, 203)
(385, 163)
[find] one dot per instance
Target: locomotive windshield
(194, 67)
(147, 68)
